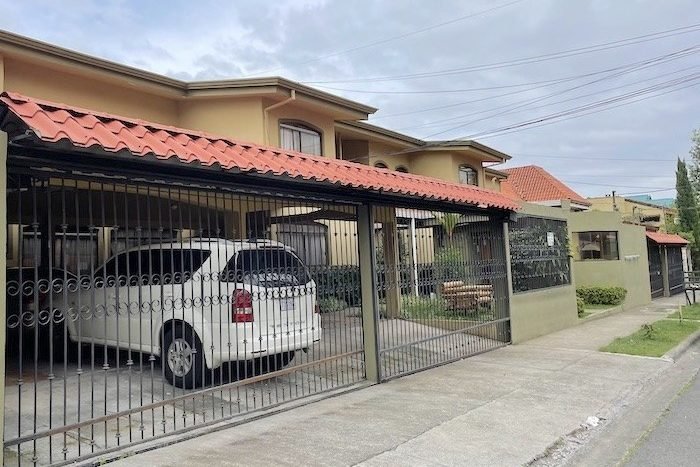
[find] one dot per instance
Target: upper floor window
(402, 169)
(596, 245)
(301, 138)
(380, 165)
(468, 176)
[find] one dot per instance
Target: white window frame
(299, 129)
(463, 170)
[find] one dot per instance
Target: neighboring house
(638, 210)
(663, 202)
(604, 247)
(535, 185)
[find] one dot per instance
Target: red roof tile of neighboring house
(532, 183)
(666, 239)
(53, 122)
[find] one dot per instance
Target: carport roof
(661, 238)
(51, 123)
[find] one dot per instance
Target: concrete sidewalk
(500, 408)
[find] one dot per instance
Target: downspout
(266, 110)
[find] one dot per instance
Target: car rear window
(266, 267)
(157, 265)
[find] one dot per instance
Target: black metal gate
(675, 270)
(140, 308)
(445, 296)
(655, 270)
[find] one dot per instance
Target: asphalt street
(674, 440)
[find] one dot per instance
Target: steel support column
(3, 278)
(368, 274)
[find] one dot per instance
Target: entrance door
(655, 277)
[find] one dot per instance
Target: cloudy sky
(604, 94)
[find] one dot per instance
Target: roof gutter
(266, 110)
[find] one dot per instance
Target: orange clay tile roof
(532, 183)
(53, 123)
(666, 239)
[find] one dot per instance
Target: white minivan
(198, 304)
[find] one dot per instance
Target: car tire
(183, 358)
(278, 361)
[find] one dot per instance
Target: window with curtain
(301, 138)
(468, 176)
(596, 245)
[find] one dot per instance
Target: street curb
(683, 347)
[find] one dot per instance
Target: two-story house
(269, 111)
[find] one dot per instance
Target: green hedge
(580, 306)
(598, 295)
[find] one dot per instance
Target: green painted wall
(541, 312)
(631, 271)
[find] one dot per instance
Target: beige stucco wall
(631, 271)
(435, 164)
(53, 84)
(539, 312)
(491, 182)
(445, 165)
(240, 118)
(387, 153)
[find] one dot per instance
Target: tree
(694, 168)
(685, 200)
(448, 221)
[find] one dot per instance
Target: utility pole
(614, 201)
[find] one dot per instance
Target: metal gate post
(509, 279)
(368, 274)
(3, 279)
(664, 271)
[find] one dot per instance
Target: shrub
(331, 305)
(580, 306)
(598, 295)
(422, 307)
(449, 263)
(339, 282)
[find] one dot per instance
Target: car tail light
(242, 307)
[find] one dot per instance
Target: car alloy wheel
(180, 357)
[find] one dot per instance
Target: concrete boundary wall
(542, 311)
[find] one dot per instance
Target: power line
(612, 185)
(649, 191)
(543, 121)
(527, 60)
(509, 108)
(551, 82)
(591, 108)
(394, 38)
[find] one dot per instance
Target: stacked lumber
(461, 296)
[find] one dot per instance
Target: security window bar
(539, 253)
(597, 245)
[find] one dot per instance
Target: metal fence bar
(138, 309)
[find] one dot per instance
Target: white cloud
(210, 39)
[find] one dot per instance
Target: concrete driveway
(500, 408)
